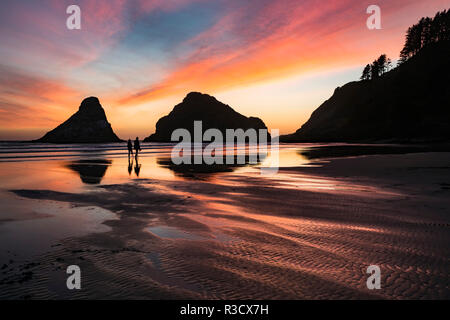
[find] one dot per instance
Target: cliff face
(205, 108)
(87, 125)
(408, 104)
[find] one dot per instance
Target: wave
(17, 151)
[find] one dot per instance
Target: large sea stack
(202, 107)
(87, 125)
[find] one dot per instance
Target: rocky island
(202, 107)
(88, 125)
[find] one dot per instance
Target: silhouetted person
(130, 148)
(137, 167)
(130, 165)
(137, 146)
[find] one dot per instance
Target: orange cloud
(284, 38)
(33, 101)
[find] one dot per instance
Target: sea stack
(87, 125)
(202, 107)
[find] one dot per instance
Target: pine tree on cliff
(366, 72)
(425, 32)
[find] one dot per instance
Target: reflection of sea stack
(87, 125)
(90, 171)
(203, 170)
(205, 108)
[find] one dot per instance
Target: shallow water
(72, 168)
(217, 232)
(80, 168)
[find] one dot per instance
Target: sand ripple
(243, 241)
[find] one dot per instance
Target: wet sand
(309, 232)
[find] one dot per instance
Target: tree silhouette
(426, 31)
(366, 74)
(388, 65)
(382, 64)
(377, 68)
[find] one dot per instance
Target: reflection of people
(137, 167)
(130, 148)
(137, 146)
(130, 165)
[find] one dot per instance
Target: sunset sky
(277, 60)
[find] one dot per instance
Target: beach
(151, 230)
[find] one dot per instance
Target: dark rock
(90, 171)
(87, 125)
(407, 104)
(202, 107)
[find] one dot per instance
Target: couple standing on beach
(137, 147)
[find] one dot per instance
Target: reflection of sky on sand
(173, 233)
(225, 216)
(297, 234)
(77, 169)
(56, 167)
(29, 227)
(86, 166)
(327, 185)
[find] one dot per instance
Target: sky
(273, 59)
